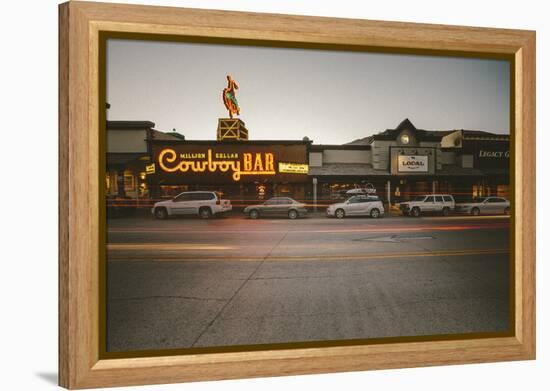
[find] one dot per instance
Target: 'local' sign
(412, 163)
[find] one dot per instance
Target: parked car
(485, 205)
(358, 205)
(204, 204)
(277, 206)
(433, 203)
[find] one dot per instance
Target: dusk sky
(333, 97)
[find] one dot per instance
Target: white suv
(358, 205)
(433, 203)
(204, 204)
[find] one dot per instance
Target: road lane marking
(465, 217)
(335, 257)
(393, 239)
(165, 246)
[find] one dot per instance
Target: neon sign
(293, 168)
(150, 168)
(259, 163)
(229, 98)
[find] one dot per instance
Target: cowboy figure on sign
(229, 98)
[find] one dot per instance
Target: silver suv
(204, 204)
(358, 205)
(433, 203)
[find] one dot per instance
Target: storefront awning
(458, 171)
(346, 169)
(495, 171)
(119, 159)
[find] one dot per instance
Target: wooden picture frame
(80, 207)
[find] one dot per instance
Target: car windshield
(480, 199)
(419, 198)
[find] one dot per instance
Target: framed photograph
(248, 195)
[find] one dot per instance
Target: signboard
(492, 156)
(293, 168)
(483, 154)
(217, 163)
(150, 168)
(412, 163)
(488, 153)
(234, 163)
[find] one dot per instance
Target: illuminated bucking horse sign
(229, 98)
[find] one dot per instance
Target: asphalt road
(183, 283)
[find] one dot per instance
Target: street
(187, 282)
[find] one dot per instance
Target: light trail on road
(260, 230)
(319, 257)
(167, 246)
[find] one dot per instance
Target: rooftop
(232, 142)
(128, 125)
(425, 135)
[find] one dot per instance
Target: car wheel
(415, 212)
(292, 214)
(254, 214)
(340, 214)
(205, 213)
(375, 213)
(507, 211)
(475, 212)
(446, 211)
(161, 213)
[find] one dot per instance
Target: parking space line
(166, 246)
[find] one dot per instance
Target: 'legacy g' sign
(412, 163)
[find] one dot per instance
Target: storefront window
(261, 191)
(172, 191)
(476, 191)
(331, 192)
(143, 190)
(283, 190)
(129, 181)
(503, 191)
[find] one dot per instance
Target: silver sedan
(485, 205)
(277, 206)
